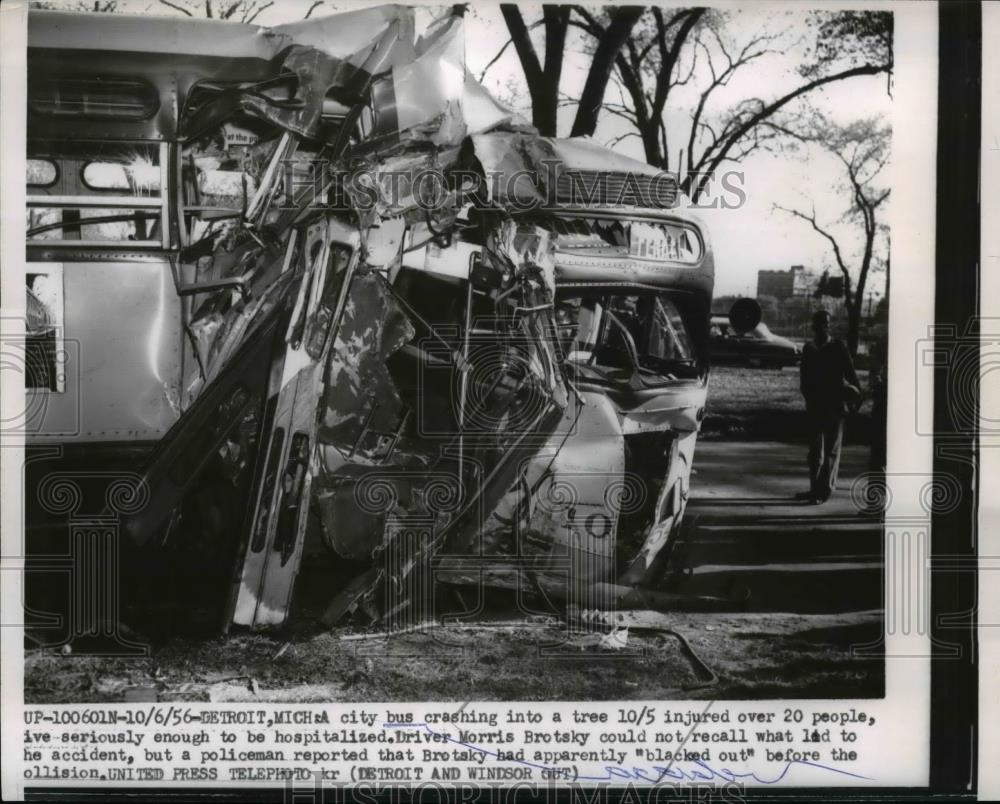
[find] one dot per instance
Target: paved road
(748, 478)
(744, 530)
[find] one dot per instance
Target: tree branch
(621, 111)
(811, 220)
(257, 12)
(543, 85)
(615, 140)
(589, 24)
(176, 7)
(501, 51)
(715, 160)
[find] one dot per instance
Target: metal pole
(464, 380)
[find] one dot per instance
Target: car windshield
(622, 334)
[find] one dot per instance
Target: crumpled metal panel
(547, 159)
(669, 510)
(37, 318)
(525, 252)
(423, 99)
(428, 94)
(359, 394)
(560, 515)
(317, 75)
(679, 408)
(341, 35)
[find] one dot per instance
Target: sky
(745, 240)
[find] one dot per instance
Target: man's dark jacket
(824, 372)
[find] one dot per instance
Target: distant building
(796, 282)
(804, 282)
(778, 284)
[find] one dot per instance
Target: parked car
(757, 347)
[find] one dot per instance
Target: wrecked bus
(305, 296)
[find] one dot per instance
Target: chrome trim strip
(111, 201)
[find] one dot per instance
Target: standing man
(828, 383)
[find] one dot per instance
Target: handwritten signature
(697, 770)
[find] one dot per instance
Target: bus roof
(156, 58)
(146, 35)
(169, 55)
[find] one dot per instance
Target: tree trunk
(648, 129)
(610, 44)
(545, 107)
(543, 84)
(854, 324)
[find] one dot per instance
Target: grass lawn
(766, 403)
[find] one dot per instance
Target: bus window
(93, 97)
(222, 174)
(624, 333)
(41, 172)
(102, 193)
(220, 177)
(92, 224)
(134, 178)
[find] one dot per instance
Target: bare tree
(848, 34)
(695, 46)
(648, 68)
(312, 7)
(543, 75)
(245, 11)
(862, 148)
(94, 6)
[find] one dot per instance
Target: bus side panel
(122, 346)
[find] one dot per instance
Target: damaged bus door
(285, 468)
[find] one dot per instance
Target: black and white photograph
(414, 352)
(383, 354)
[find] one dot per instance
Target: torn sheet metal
(341, 35)
(559, 516)
(679, 408)
(361, 408)
(435, 98)
(574, 173)
(423, 99)
(408, 185)
(526, 254)
(422, 90)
